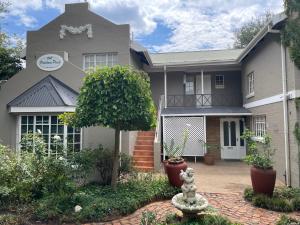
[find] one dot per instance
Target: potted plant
(175, 162)
(210, 155)
(263, 176)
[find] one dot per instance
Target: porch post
(202, 82)
(165, 85)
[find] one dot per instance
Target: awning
(206, 111)
(48, 95)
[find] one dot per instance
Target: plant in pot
(175, 162)
(263, 176)
(210, 155)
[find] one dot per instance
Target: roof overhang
(141, 50)
(267, 29)
(59, 109)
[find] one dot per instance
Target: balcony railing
(203, 100)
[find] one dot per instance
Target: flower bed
(284, 199)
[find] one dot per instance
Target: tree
(247, 32)
(291, 31)
(117, 97)
(9, 53)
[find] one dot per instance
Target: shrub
(100, 203)
(284, 220)
(284, 199)
(100, 159)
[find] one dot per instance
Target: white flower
(57, 138)
(74, 166)
(77, 208)
(39, 131)
(61, 158)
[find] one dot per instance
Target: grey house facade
(214, 95)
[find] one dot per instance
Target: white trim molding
(76, 30)
(208, 114)
(273, 99)
(15, 109)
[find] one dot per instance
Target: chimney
(77, 7)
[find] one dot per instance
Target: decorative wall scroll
(75, 30)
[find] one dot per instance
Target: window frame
(108, 62)
(250, 85)
(220, 86)
(259, 127)
(65, 131)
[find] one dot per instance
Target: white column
(165, 85)
(202, 82)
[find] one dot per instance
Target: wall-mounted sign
(50, 62)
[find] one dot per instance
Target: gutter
(285, 116)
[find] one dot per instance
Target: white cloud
(194, 24)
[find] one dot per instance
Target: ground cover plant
(149, 218)
(36, 187)
(284, 220)
(284, 199)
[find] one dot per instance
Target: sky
(159, 25)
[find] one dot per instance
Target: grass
(284, 220)
(285, 199)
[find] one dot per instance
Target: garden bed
(284, 199)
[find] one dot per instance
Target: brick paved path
(230, 205)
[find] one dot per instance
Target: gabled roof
(48, 92)
(196, 57)
(141, 50)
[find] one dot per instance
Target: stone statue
(188, 188)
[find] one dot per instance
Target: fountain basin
(200, 204)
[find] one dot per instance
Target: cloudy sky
(160, 25)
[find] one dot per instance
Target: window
(100, 60)
(250, 84)
(189, 85)
(259, 126)
(219, 84)
(50, 126)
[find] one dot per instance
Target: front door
(232, 146)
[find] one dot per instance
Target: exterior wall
(107, 37)
(265, 62)
(213, 134)
(175, 86)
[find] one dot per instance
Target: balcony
(203, 100)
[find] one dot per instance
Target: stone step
(143, 147)
(143, 163)
(144, 142)
(144, 168)
(142, 153)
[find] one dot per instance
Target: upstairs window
(219, 84)
(250, 84)
(259, 126)
(99, 60)
(189, 85)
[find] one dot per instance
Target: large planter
(173, 171)
(209, 159)
(263, 180)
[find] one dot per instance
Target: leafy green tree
(247, 32)
(291, 31)
(117, 97)
(9, 53)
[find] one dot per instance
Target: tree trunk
(116, 160)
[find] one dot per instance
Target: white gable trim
(15, 109)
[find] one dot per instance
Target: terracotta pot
(164, 163)
(209, 159)
(263, 180)
(173, 171)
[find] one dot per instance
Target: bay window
(60, 139)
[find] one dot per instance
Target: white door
(203, 97)
(232, 146)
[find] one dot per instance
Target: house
(214, 94)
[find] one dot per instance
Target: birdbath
(189, 202)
